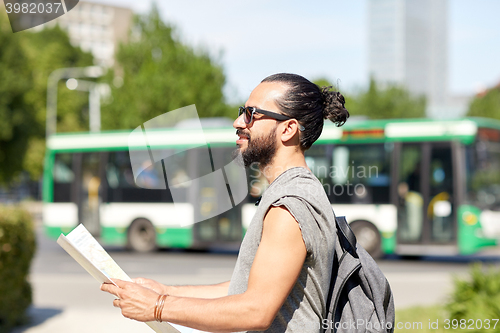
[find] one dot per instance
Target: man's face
(257, 141)
(260, 149)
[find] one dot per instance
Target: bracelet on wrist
(160, 302)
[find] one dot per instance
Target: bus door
(425, 195)
(223, 228)
(89, 193)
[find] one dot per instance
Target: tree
(376, 103)
(47, 51)
(486, 104)
(26, 60)
(16, 114)
(391, 102)
(160, 74)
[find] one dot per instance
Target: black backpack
(360, 298)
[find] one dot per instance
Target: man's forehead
(266, 93)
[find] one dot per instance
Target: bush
(17, 247)
(421, 319)
(477, 299)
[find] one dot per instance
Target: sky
(254, 39)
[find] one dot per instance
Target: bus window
(483, 175)
(410, 203)
(361, 174)
(63, 177)
(317, 159)
(122, 187)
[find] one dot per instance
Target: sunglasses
(249, 111)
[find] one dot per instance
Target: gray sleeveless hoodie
(301, 193)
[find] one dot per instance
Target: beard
(259, 150)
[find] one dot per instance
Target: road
(67, 299)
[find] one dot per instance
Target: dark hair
(309, 104)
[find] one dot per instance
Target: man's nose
(239, 122)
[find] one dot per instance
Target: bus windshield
(483, 175)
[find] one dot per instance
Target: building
(95, 28)
(408, 46)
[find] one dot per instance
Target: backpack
(360, 298)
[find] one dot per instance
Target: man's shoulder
(295, 182)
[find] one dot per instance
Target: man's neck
(281, 163)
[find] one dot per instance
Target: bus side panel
(383, 216)
(59, 217)
(175, 237)
(173, 222)
(471, 235)
(113, 236)
(247, 213)
(48, 184)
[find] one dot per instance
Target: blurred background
(106, 67)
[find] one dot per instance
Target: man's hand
(151, 284)
(135, 301)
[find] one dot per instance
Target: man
(282, 275)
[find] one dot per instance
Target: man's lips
(242, 137)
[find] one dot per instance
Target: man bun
(309, 104)
(333, 106)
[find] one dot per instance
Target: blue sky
(321, 39)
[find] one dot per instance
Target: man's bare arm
(205, 291)
(274, 272)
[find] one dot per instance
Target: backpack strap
(346, 231)
(345, 263)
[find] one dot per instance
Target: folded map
(85, 249)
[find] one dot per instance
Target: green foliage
(47, 51)
(487, 105)
(391, 102)
(17, 247)
(477, 297)
(377, 103)
(16, 115)
(419, 318)
(161, 74)
(26, 60)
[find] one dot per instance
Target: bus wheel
(141, 236)
(368, 237)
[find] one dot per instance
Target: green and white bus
(408, 187)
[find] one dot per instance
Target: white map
(85, 249)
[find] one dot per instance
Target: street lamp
(96, 90)
(53, 80)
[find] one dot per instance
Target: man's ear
(290, 131)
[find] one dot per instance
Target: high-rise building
(408, 46)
